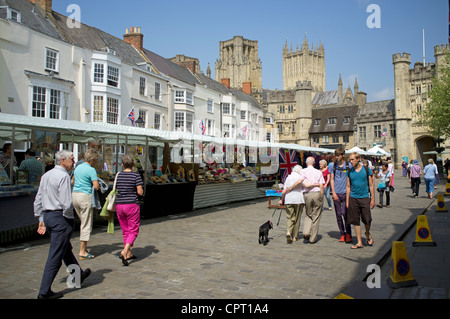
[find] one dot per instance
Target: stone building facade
(411, 87)
(304, 112)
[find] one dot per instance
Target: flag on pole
(202, 127)
(245, 131)
(288, 159)
(130, 116)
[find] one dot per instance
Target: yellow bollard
(401, 275)
(423, 233)
(447, 189)
(440, 204)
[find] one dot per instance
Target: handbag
(382, 185)
(112, 197)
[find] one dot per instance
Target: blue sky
(352, 49)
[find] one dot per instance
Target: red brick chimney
(45, 5)
(247, 88)
(134, 37)
(226, 82)
(191, 65)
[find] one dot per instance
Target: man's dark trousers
(60, 230)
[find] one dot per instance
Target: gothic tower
(239, 62)
(403, 114)
(304, 65)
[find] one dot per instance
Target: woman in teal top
(85, 181)
(430, 172)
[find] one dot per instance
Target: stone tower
(304, 64)
(303, 98)
(403, 114)
(440, 51)
(239, 62)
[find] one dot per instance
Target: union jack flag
(130, 116)
(384, 133)
(202, 126)
(245, 130)
(288, 159)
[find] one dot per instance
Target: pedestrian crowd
(350, 185)
(59, 196)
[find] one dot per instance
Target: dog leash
(279, 217)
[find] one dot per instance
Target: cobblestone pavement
(213, 253)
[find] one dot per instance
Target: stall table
(167, 199)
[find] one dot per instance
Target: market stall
(187, 171)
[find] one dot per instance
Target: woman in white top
(294, 202)
(385, 177)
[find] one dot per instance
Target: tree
(436, 115)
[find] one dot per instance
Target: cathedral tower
(239, 62)
(304, 64)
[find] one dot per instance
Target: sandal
(88, 256)
(369, 240)
(288, 239)
(357, 246)
(124, 260)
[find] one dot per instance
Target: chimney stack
(134, 37)
(226, 82)
(247, 88)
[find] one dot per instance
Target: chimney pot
(134, 38)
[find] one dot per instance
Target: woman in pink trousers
(129, 187)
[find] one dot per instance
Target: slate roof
(326, 98)
(371, 110)
(212, 84)
(338, 111)
(170, 68)
(95, 39)
(85, 36)
(32, 17)
(245, 97)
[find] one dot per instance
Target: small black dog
(264, 232)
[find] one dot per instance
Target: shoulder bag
(112, 197)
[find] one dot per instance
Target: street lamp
(140, 122)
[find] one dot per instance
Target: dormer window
(14, 15)
(331, 120)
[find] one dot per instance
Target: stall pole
(117, 155)
(73, 142)
(11, 164)
(145, 165)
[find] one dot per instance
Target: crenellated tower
(304, 64)
(403, 115)
(303, 98)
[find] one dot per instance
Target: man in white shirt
(313, 199)
(53, 207)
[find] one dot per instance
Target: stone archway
(424, 144)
